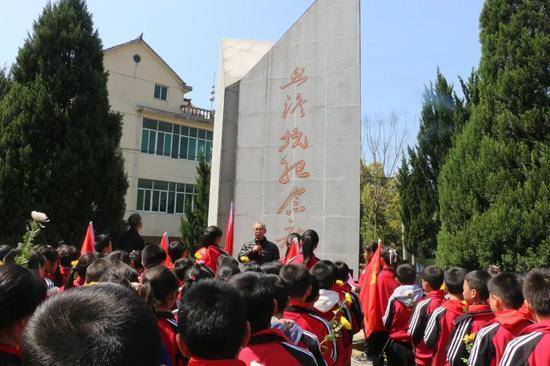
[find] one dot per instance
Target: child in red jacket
(266, 346)
(397, 314)
(533, 347)
(438, 331)
(210, 251)
(505, 299)
(432, 279)
(477, 316)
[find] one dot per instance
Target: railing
(191, 111)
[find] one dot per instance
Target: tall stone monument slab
(287, 132)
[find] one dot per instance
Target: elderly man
(260, 249)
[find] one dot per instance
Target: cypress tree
(59, 141)
(494, 189)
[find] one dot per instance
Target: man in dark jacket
(260, 249)
(131, 240)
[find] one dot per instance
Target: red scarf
(512, 320)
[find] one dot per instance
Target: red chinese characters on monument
(298, 167)
(290, 106)
(297, 137)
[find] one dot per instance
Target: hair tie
(393, 256)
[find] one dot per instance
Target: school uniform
(168, 328)
(491, 340)
(307, 318)
(325, 307)
(202, 362)
(417, 326)
(300, 337)
(477, 317)
(9, 356)
(438, 329)
(530, 349)
(271, 347)
(209, 256)
(353, 314)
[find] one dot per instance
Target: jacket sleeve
(271, 252)
(483, 350)
(431, 334)
(387, 318)
(417, 323)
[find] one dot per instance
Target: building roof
(140, 40)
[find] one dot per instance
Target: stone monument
(287, 132)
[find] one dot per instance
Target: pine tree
(494, 189)
(442, 117)
(196, 215)
(59, 141)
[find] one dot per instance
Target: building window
(166, 197)
(175, 141)
(161, 92)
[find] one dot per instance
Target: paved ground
(358, 347)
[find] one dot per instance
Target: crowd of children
(156, 307)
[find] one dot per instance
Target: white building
(162, 135)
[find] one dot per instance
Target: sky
(403, 42)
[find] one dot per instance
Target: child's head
(212, 235)
(325, 275)
(228, 261)
(194, 274)
(212, 321)
(432, 278)
(51, 255)
(181, 266)
(314, 294)
(342, 271)
(280, 292)
(159, 288)
(504, 292)
(297, 281)
(273, 267)
(135, 260)
(390, 257)
(120, 273)
(176, 250)
(121, 256)
(4, 249)
(536, 290)
(103, 244)
(369, 250)
(224, 273)
(454, 281)
(96, 269)
(310, 241)
(21, 291)
(475, 287)
(152, 255)
(79, 271)
(106, 324)
(67, 254)
(406, 274)
(256, 290)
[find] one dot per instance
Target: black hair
(80, 269)
(371, 247)
(390, 257)
(406, 274)
(135, 259)
(507, 287)
(176, 250)
(96, 269)
(324, 274)
(212, 320)
(227, 260)
(289, 239)
(194, 274)
(536, 290)
(296, 278)
(134, 220)
(454, 280)
(119, 256)
(152, 255)
(280, 292)
(48, 252)
(252, 267)
(273, 267)
(210, 235)
(342, 271)
(225, 273)
(67, 254)
(157, 284)
(314, 294)
(180, 267)
(100, 325)
(433, 275)
(35, 260)
(120, 273)
(102, 241)
(4, 249)
(257, 293)
(477, 280)
(310, 240)
(21, 292)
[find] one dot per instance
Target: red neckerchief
(455, 306)
(512, 320)
(65, 271)
(4, 348)
(299, 304)
(202, 362)
(543, 326)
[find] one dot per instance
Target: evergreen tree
(59, 141)
(5, 82)
(443, 115)
(196, 215)
(494, 189)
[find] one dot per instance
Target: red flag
(368, 295)
(229, 231)
(89, 240)
(164, 245)
(293, 251)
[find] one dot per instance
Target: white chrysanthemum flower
(39, 216)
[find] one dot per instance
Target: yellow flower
(1, 263)
(443, 287)
(345, 323)
(198, 255)
(469, 338)
(348, 298)
(90, 283)
(244, 259)
(340, 282)
(74, 263)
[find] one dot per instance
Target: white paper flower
(39, 216)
